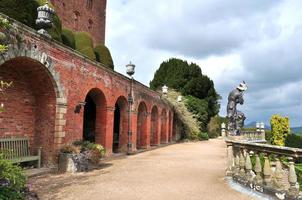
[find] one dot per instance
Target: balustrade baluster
(267, 171)
(278, 175)
(229, 171)
(241, 164)
(237, 168)
(293, 190)
(248, 167)
(258, 170)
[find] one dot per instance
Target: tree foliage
(214, 126)
(188, 79)
(25, 11)
(280, 129)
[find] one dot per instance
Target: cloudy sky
(259, 41)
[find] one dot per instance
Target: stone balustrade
(273, 169)
(257, 135)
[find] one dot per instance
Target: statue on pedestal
(236, 118)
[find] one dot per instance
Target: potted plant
(66, 158)
(77, 156)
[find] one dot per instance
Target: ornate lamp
(165, 89)
(45, 18)
(130, 69)
(179, 98)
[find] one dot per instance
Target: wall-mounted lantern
(45, 18)
(78, 107)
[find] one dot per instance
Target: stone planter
(67, 163)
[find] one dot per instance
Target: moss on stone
(68, 37)
(103, 55)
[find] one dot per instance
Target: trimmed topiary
(103, 55)
(83, 40)
(88, 51)
(84, 44)
(68, 38)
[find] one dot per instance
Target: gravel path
(185, 171)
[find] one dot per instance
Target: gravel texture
(185, 171)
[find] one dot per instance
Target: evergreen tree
(189, 80)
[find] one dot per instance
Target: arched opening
(120, 130)
(89, 119)
(163, 133)
(30, 104)
(154, 126)
(141, 136)
(94, 119)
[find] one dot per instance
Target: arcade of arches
(58, 97)
(31, 111)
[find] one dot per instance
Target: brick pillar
(109, 130)
(158, 130)
(134, 130)
(171, 128)
(167, 129)
(148, 133)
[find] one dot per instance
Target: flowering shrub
(12, 180)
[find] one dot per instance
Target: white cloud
(232, 40)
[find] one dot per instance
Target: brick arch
(163, 129)
(122, 106)
(154, 137)
(35, 106)
(94, 124)
(141, 135)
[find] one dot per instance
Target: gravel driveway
(185, 171)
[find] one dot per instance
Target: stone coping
(266, 148)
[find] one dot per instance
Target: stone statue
(235, 117)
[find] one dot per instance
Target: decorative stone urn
(66, 163)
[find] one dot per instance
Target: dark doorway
(89, 119)
(116, 129)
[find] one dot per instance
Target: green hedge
(84, 44)
(103, 55)
(68, 38)
(293, 140)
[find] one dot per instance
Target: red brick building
(83, 15)
(50, 82)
